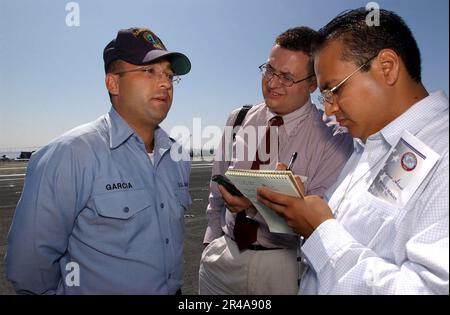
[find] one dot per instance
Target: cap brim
(179, 62)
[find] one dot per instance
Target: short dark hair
(114, 66)
(363, 41)
(299, 39)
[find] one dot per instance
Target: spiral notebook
(247, 181)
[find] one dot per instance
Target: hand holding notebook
(248, 181)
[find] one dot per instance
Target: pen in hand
(291, 162)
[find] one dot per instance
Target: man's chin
(160, 119)
(273, 105)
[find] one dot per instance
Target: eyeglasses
(152, 73)
(327, 95)
(268, 72)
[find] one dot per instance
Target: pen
(291, 162)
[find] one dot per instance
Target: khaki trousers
(225, 270)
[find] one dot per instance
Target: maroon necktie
(245, 229)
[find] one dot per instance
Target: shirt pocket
(183, 197)
(121, 205)
(120, 217)
(184, 201)
(380, 207)
(372, 221)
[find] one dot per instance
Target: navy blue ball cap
(140, 46)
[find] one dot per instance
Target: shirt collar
(293, 119)
(358, 145)
(162, 140)
(415, 118)
(119, 130)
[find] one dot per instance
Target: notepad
(248, 181)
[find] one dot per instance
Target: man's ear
(313, 84)
(389, 63)
(112, 83)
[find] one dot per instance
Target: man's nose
(274, 81)
(330, 108)
(165, 81)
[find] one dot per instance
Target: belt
(260, 247)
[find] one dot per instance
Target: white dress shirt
(373, 247)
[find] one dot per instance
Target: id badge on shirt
(408, 164)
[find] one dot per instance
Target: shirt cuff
(324, 243)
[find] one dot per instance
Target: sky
(52, 75)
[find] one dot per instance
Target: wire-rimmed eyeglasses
(152, 73)
(268, 72)
(327, 95)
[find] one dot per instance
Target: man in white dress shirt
(385, 229)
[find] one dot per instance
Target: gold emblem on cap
(148, 36)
